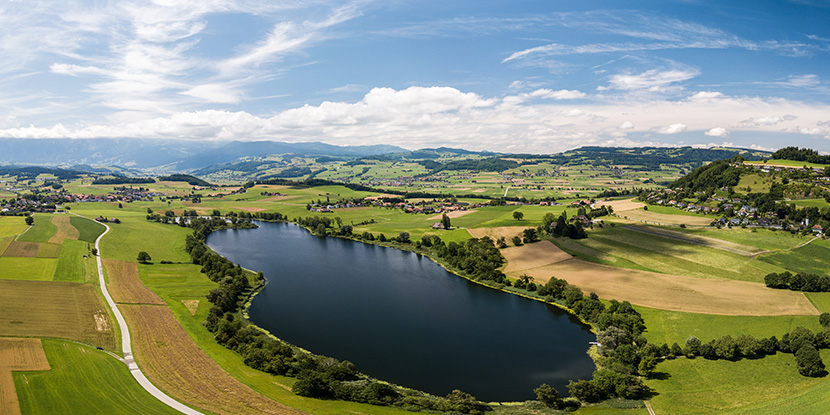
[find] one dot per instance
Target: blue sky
(528, 76)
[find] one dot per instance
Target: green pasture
(813, 258)
(764, 239)
(700, 386)
(674, 326)
(41, 231)
(12, 225)
(135, 234)
(83, 380)
(70, 265)
(48, 250)
(818, 203)
(31, 269)
(668, 256)
(754, 183)
(88, 229)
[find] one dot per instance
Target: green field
(788, 163)
(83, 381)
(41, 231)
(71, 266)
(89, 229)
(700, 386)
(48, 250)
(813, 258)
(32, 269)
(12, 225)
(629, 249)
(819, 203)
(667, 210)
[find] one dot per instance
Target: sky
(524, 76)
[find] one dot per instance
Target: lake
(400, 317)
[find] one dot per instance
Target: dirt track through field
(65, 229)
(17, 355)
(173, 362)
(125, 286)
(677, 293)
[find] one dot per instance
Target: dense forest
(800, 154)
(191, 180)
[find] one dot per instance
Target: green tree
(824, 320)
(518, 215)
(403, 237)
(549, 396)
(517, 241)
(445, 221)
(647, 366)
(143, 257)
(809, 361)
(30, 220)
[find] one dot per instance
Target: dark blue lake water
(401, 317)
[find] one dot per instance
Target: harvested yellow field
(125, 285)
(22, 249)
(4, 244)
(622, 205)
(507, 232)
(535, 255)
(65, 229)
(172, 361)
(12, 225)
(248, 209)
(454, 214)
(660, 218)
(677, 293)
(16, 355)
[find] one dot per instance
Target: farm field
(12, 225)
(161, 345)
(819, 203)
(64, 310)
(125, 286)
(676, 293)
(88, 230)
(42, 230)
(655, 218)
(65, 229)
(32, 269)
(700, 386)
(83, 380)
(17, 355)
(813, 257)
(72, 266)
(664, 251)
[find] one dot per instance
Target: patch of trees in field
(798, 282)
(123, 180)
(710, 177)
(800, 154)
(191, 180)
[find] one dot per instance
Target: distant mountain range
(163, 155)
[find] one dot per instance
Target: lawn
(41, 231)
(83, 381)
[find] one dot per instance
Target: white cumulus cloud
(673, 129)
(718, 132)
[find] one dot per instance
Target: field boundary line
(648, 406)
(126, 345)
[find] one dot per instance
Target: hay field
(452, 215)
(677, 293)
(535, 255)
(697, 239)
(172, 361)
(32, 269)
(41, 231)
(65, 229)
(125, 285)
(88, 230)
(17, 355)
(662, 218)
(22, 249)
(55, 309)
(622, 205)
(83, 380)
(48, 250)
(12, 225)
(4, 244)
(507, 232)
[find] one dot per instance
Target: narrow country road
(126, 346)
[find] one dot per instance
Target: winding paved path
(126, 346)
